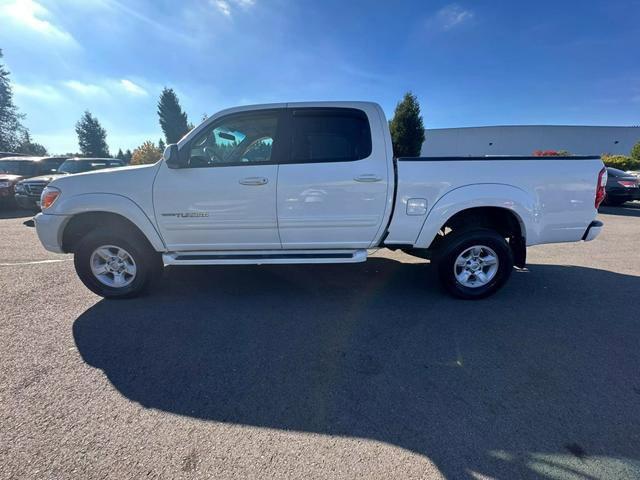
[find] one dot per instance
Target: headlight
(48, 197)
(19, 187)
(5, 184)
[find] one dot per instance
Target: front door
(226, 197)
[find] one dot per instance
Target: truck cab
(284, 177)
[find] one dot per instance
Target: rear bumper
(593, 230)
(49, 228)
(626, 194)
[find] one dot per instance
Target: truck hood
(10, 177)
(126, 181)
(45, 178)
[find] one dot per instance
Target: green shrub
(635, 152)
(621, 161)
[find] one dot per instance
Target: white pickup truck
(315, 183)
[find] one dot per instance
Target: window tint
(330, 135)
(79, 166)
(236, 140)
(50, 165)
(614, 172)
(71, 166)
(18, 167)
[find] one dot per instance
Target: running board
(264, 257)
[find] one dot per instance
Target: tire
(90, 254)
(484, 277)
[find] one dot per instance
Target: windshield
(18, 167)
(79, 166)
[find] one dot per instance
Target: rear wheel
(114, 265)
(473, 264)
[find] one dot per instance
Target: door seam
(276, 199)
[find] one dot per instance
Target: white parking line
(36, 262)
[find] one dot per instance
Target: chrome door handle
(254, 181)
(369, 177)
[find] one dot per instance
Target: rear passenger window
(330, 135)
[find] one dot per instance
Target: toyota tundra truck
(300, 183)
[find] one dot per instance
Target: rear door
(332, 189)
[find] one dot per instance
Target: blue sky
(470, 63)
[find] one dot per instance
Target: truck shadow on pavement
(539, 381)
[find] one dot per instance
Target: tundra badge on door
(186, 214)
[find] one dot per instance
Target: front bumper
(50, 228)
(6, 194)
(593, 230)
(27, 201)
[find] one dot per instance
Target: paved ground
(364, 371)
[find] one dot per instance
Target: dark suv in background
(27, 192)
(621, 187)
(14, 169)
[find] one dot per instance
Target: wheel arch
(88, 212)
(504, 208)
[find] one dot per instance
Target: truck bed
(553, 197)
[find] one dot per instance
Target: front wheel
(115, 265)
(474, 264)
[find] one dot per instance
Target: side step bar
(264, 257)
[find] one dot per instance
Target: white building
(525, 139)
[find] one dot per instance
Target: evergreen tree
(120, 154)
(407, 129)
(127, 156)
(173, 120)
(10, 119)
(92, 138)
(161, 145)
(29, 147)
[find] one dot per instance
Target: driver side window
(246, 138)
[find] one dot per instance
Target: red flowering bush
(551, 153)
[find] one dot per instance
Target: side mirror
(172, 157)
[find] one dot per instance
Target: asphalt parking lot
(357, 371)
